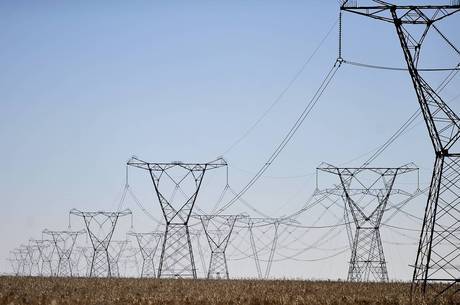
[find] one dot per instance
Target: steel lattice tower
(86, 253)
(148, 244)
(176, 258)
(64, 242)
(366, 192)
(218, 230)
(438, 255)
(46, 251)
(116, 249)
(34, 258)
(268, 224)
(100, 226)
(21, 256)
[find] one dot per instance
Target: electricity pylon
(100, 226)
(438, 255)
(21, 255)
(176, 258)
(366, 193)
(64, 242)
(15, 265)
(129, 265)
(33, 255)
(116, 249)
(266, 224)
(218, 230)
(148, 244)
(46, 250)
(86, 254)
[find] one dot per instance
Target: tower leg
(100, 266)
(367, 258)
(218, 266)
(438, 256)
(177, 254)
(148, 267)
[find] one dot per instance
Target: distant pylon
(176, 258)
(33, 254)
(116, 249)
(87, 254)
(21, 255)
(266, 224)
(148, 244)
(218, 230)
(64, 242)
(100, 226)
(366, 192)
(46, 251)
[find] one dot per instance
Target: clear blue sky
(84, 85)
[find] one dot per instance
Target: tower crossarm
(409, 14)
(442, 122)
(176, 213)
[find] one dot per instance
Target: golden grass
(56, 291)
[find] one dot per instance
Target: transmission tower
(438, 255)
(100, 226)
(148, 245)
(87, 254)
(218, 230)
(116, 249)
(176, 258)
(45, 249)
(64, 242)
(15, 265)
(366, 193)
(33, 255)
(266, 224)
(129, 266)
(21, 256)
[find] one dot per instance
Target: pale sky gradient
(85, 85)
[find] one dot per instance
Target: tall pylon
(100, 226)
(64, 242)
(366, 193)
(148, 244)
(438, 255)
(218, 230)
(184, 180)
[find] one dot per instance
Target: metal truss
(64, 242)
(267, 223)
(176, 258)
(129, 262)
(21, 257)
(46, 251)
(366, 192)
(116, 249)
(438, 255)
(15, 264)
(218, 230)
(100, 226)
(33, 255)
(148, 244)
(85, 253)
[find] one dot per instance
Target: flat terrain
(34, 290)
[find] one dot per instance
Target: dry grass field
(56, 291)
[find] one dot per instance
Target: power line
(330, 75)
(282, 93)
